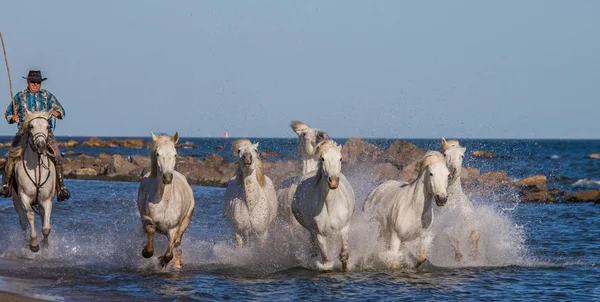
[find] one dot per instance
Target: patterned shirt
(42, 100)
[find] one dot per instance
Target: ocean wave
(587, 183)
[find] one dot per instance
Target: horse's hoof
(147, 254)
(164, 260)
(34, 249)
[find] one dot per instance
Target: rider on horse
(33, 98)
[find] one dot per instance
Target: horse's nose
(167, 178)
(247, 158)
(40, 145)
(333, 182)
(440, 200)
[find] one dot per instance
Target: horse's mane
(260, 170)
(430, 158)
(321, 148)
(298, 126)
(158, 139)
(449, 144)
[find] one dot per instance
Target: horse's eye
(157, 154)
(340, 159)
(444, 154)
(322, 158)
(430, 174)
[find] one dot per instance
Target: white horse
(324, 204)
(35, 177)
(250, 199)
(405, 211)
(308, 138)
(165, 199)
(457, 199)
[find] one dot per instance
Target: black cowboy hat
(35, 76)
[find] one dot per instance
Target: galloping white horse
(457, 199)
(324, 203)
(165, 199)
(250, 199)
(405, 211)
(35, 177)
(308, 138)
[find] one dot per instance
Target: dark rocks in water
(540, 196)
(402, 153)
(70, 144)
(494, 180)
(594, 156)
(483, 154)
(186, 145)
(219, 147)
(536, 183)
(96, 142)
(357, 150)
(584, 196)
(266, 154)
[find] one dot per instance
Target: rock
(384, 172)
(187, 145)
(540, 196)
(104, 156)
(584, 196)
(469, 177)
(219, 147)
(71, 152)
(483, 154)
(95, 142)
(119, 165)
(71, 143)
(355, 149)
(594, 156)
(84, 172)
(266, 154)
(410, 172)
(534, 183)
(140, 161)
(402, 153)
(494, 180)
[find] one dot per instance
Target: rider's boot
(63, 192)
(7, 179)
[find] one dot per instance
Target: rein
(37, 182)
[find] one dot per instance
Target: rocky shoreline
(361, 160)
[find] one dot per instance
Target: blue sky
(422, 69)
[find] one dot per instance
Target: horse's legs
(177, 261)
(22, 217)
(344, 254)
(394, 251)
(182, 227)
(422, 255)
(475, 238)
(238, 240)
(148, 250)
(314, 249)
(46, 209)
(325, 265)
(33, 243)
(168, 256)
(456, 247)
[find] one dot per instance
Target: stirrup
(63, 194)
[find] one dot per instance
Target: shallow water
(527, 251)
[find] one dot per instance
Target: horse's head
(308, 138)
(433, 167)
(248, 154)
(37, 127)
(330, 162)
(163, 156)
(454, 155)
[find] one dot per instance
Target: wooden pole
(9, 80)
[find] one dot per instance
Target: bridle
(36, 179)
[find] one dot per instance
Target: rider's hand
(14, 118)
(55, 113)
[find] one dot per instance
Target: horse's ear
(153, 136)
(175, 137)
(443, 141)
(255, 145)
(298, 127)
